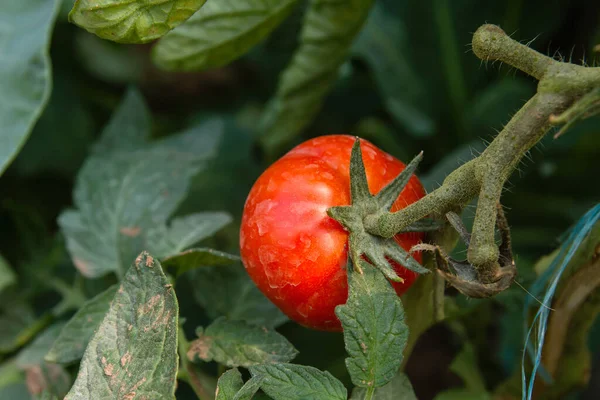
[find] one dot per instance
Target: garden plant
(299, 199)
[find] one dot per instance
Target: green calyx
(377, 249)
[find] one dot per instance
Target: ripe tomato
(294, 252)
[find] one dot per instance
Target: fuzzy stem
(491, 43)
(497, 163)
(561, 84)
(458, 188)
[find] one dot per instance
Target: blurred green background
(412, 83)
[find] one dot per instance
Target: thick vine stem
(494, 167)
(560, 85)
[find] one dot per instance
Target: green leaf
(399, 388)
(129, 126)
(228, 291)
(236, 343)
(7, 276)
(127, 21)
(17, 321)
(134, 351)
(249, 389)
(374, 330)
(381, 43)
(185, 231)
(25, 78)
(220, 32)
(229, 384)
(198, 257)
(298, 382)
(327, 34)
(123, 195)
(77, 333)
(34, 353)
(232, 387)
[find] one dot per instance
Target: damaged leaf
(236, 343)
(133, 354)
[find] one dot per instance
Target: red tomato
(294, 252)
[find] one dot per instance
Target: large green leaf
(229, 291)
(298, 382)
(25, 80)
(236, 343)
(132, 21)
(134, 351)
(124, 193)
(76, 334)
(327, 34)
(374, 330)
(220, 32)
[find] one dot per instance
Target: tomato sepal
(378, 250)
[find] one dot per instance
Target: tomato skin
(294, 252)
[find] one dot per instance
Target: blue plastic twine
(551, 275)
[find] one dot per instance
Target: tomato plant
(162, 238)
(295, 252)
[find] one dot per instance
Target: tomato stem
(370, 392)
(561, 87)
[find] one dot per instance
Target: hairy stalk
(560, 86)
(497, 163)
